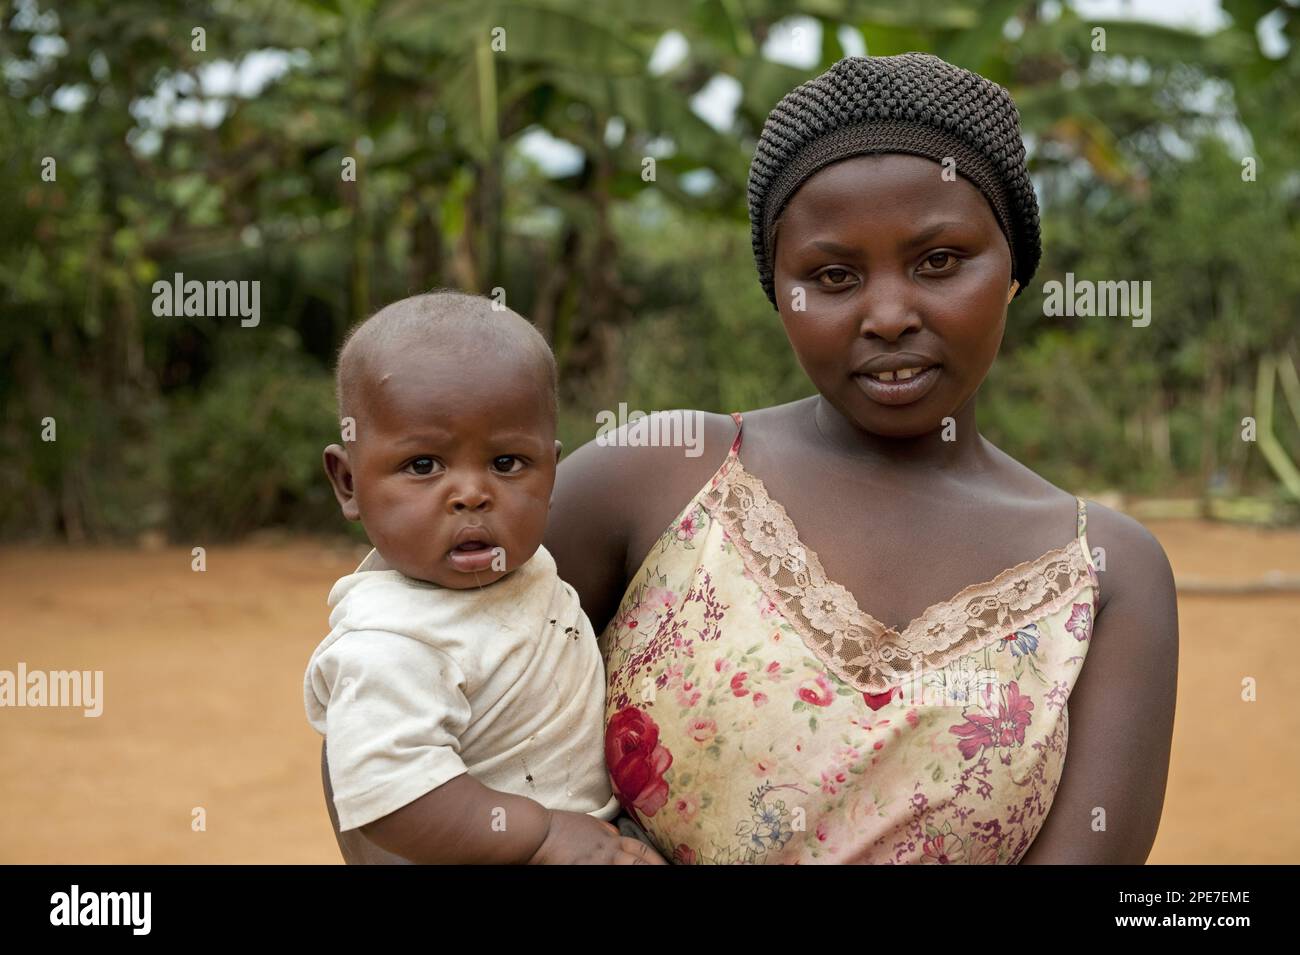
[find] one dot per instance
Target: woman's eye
(941, 261)
(422, 465)
(836, 277)
(506, 463)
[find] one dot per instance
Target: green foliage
(705, 336)
(245, 453)
(645, 287)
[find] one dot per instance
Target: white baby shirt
(418, 683)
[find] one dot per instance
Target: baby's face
(453, 466)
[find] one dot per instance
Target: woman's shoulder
(615, 494)
(1129, 558)
(661, 454)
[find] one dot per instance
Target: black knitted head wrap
(911, 103)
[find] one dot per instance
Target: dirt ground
(203, 704)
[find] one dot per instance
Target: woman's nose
(887, 309)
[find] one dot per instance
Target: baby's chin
(463, 570)
(465, 580)
(451, 577)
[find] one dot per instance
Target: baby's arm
(463, 821)
(393, 711)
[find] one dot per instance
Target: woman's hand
(575, 838)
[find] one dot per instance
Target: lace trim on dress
(856, 647)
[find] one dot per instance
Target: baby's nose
(469, 496)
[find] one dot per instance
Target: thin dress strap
(735, 445)
(731, 461)
(1087, 556)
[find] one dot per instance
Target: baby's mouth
(472, 549)
(473, 537)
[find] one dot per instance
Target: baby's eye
(422, 465)
(505, 463)
(941, 261)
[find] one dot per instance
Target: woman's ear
(1011, 293)
(339, 471)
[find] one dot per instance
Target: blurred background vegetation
(523, 168)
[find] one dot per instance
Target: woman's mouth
(900, 387)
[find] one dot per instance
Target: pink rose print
(684, 855)
(701, 730)
(654, 603)
(636, 761)
(689, 526)
(817, 692)
(738, 684)
(765, 607)
(760, 699)
(1080, 622)
(687, 805)
(831, 782)
(1005, 728)
(687, 695)
(659, 599)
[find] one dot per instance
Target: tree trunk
(424, 269)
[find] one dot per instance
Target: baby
(460, 691)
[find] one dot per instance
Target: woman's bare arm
(588, 527)
(612, 501)
(1121, 710)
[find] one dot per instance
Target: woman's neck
(957, 447)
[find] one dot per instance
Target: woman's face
(899, 268)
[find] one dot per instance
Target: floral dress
(755, 714)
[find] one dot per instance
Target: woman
(789, 679)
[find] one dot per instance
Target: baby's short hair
(460, 322)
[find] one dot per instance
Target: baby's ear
(559, 449)
(339, 471)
